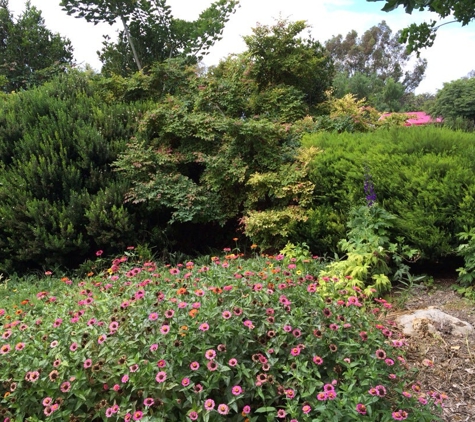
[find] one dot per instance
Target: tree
(151, 33)
(423, 35)
(279, 56)
(29, 52)
(456, 100)
(374, 66)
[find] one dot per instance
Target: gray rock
(432, 320)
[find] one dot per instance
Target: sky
(450, 58)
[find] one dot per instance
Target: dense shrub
(58, 195)
(424, 176)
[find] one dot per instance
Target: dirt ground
(453, 370)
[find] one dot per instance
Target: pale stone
(432, 320)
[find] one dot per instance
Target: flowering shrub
(231, 340)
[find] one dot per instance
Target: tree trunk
(131, 43)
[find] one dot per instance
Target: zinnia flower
(223, 409)
(161, 376)
(209, 404)
(361, 408)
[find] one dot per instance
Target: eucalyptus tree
(375, 66)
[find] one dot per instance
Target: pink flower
(194, 366)
(169, 313)
(137, 415)
(232, 362)
(125, 378)
(102, 338)
(246, 409)
(65, 387)
(99, 252)
(193, 416)
(185, 382)
(5, 349)
(223, 409)
(148, 402)
(295, 351)
(209, 404)
(153, 347)
(153, 316)
(87, 363)
(317, 360)
(204, 326)
(399, 415)
(306, 409)
(361, 408)
(236, 390)
(47, 401)
(210, 354)
(161, 376)
(165, 329)
(281, 413)
(290, 394)
(322, 396)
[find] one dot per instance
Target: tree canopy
(279, 55)
(29, 52)
(418, 36)
(456, 100)
(150, 32)
(374, 66)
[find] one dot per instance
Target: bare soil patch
(453, 357)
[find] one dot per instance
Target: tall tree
(374, 65)
(150, 32)
(29, 52)
(418, 36)
(109, 11)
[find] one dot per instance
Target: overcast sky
(450, 58)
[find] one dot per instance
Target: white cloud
(448, 59)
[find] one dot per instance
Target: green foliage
(418, 36)
(30, 54)
(423, 176)
(210, 151)
(59, 198)
(141, 342)
(456, 100)
(467, 252)
(371, 254)
(279, 56)
(278, 200)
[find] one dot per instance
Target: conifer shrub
(424, 176)
(59, 198)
